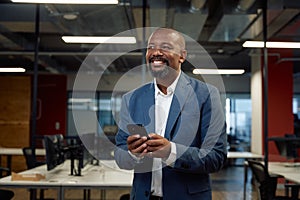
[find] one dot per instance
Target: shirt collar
(170, 89)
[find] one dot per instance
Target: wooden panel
(15, 103)
(15, 98)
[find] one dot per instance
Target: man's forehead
(161, 36)
(164, 32)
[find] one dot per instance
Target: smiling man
(185, 122)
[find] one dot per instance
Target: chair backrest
(6, 194)
(4, 170)
(267, 184)
(30, 158)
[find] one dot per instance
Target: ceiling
(220, 26)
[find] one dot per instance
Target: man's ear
(183, 56)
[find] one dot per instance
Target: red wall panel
(51, 105)
(280, 96)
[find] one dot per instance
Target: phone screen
(137, 129)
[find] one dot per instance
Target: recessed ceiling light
(220, 50)
(260, 44)
(97, 40)
(68, 1)
(12, 69)
(218, 71)
(70, 16)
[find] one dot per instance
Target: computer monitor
(287, 146)
(79, 151)
(88, 147)
(54, 150)
(75, 148)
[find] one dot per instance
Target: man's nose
(157, 51)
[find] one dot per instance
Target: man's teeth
(157, 62)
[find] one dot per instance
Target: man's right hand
(136, 145)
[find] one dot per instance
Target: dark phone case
(137, 129)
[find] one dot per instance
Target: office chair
(32, 162)
(5, 194)
(268, 183)
(125, 197)
(4, 170)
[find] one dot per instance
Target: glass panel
(238, 120)
(109, 108)
(84, 106)
(296, 112)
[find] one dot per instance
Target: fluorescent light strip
(218, 71)
(16, 69)
(260, 44)
(68, 1)
(80, 100)
(96, 40)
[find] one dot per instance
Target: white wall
(256, 98)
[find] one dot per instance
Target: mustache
(158, 58)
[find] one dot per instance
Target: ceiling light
(12, 69)
(96, 40)
(218, 71)
(80, 100)
(220, 50)
(260, 44)
(70, 16)
(68, 1)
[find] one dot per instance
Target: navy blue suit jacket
(196, 124)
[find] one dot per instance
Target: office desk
(9, 152)
(289, 173)
(104, 176)
(246, 156)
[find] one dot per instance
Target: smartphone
(137, 129)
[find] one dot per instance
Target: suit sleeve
(208, 154)
(122, 157)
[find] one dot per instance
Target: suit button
(146, 193)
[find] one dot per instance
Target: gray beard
(160, 74)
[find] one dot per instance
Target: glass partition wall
(106, 107)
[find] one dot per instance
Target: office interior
(74, 89)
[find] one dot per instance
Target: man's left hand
(159, 146)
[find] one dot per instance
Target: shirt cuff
(172, 157)
(137, 159)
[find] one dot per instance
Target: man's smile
(158, 61)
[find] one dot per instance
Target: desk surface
(19, 151)
(107, 174)
(289, 173)
(246, 155)
(41, 152)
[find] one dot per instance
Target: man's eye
(163, 47)
(166, 47)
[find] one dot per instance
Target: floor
(226, 185)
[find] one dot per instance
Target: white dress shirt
(162, 108)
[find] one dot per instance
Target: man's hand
(136, 145)
(159, 146)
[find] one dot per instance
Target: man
(185, 122)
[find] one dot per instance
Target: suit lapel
(149, 109)
(181, 94)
